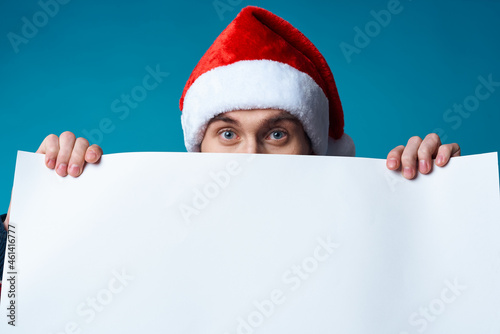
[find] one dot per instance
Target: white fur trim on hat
(344, 146)
(255, 84)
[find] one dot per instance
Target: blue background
(89, 53)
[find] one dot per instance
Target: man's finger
(394, 157)
(50, 147)
(77, 159)
(427, 151)
(66, 143)
(445, 152)
(409, 157)
(94, 153)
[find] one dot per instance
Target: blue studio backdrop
(402, 68)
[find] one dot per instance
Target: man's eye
(277, 135)
(228, 135)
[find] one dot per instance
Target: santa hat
(261, 61)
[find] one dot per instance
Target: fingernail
(439, 160)
(407, 172)
(51, 163)
(74, 169)
(91, 155)
(391, 163)
(62, 169)
(423, 166)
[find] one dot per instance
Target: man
(262, 87)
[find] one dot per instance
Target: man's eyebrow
(284, 116)
(223, 118)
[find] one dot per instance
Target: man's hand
(67, 155)
(418, 155)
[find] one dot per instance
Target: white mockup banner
(241, 244)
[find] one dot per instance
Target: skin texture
(421, 152)
(266, 131)
(68, 154)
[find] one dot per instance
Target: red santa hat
(260, 61)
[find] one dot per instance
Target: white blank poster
(243, 244)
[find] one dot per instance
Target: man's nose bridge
(251, 145)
